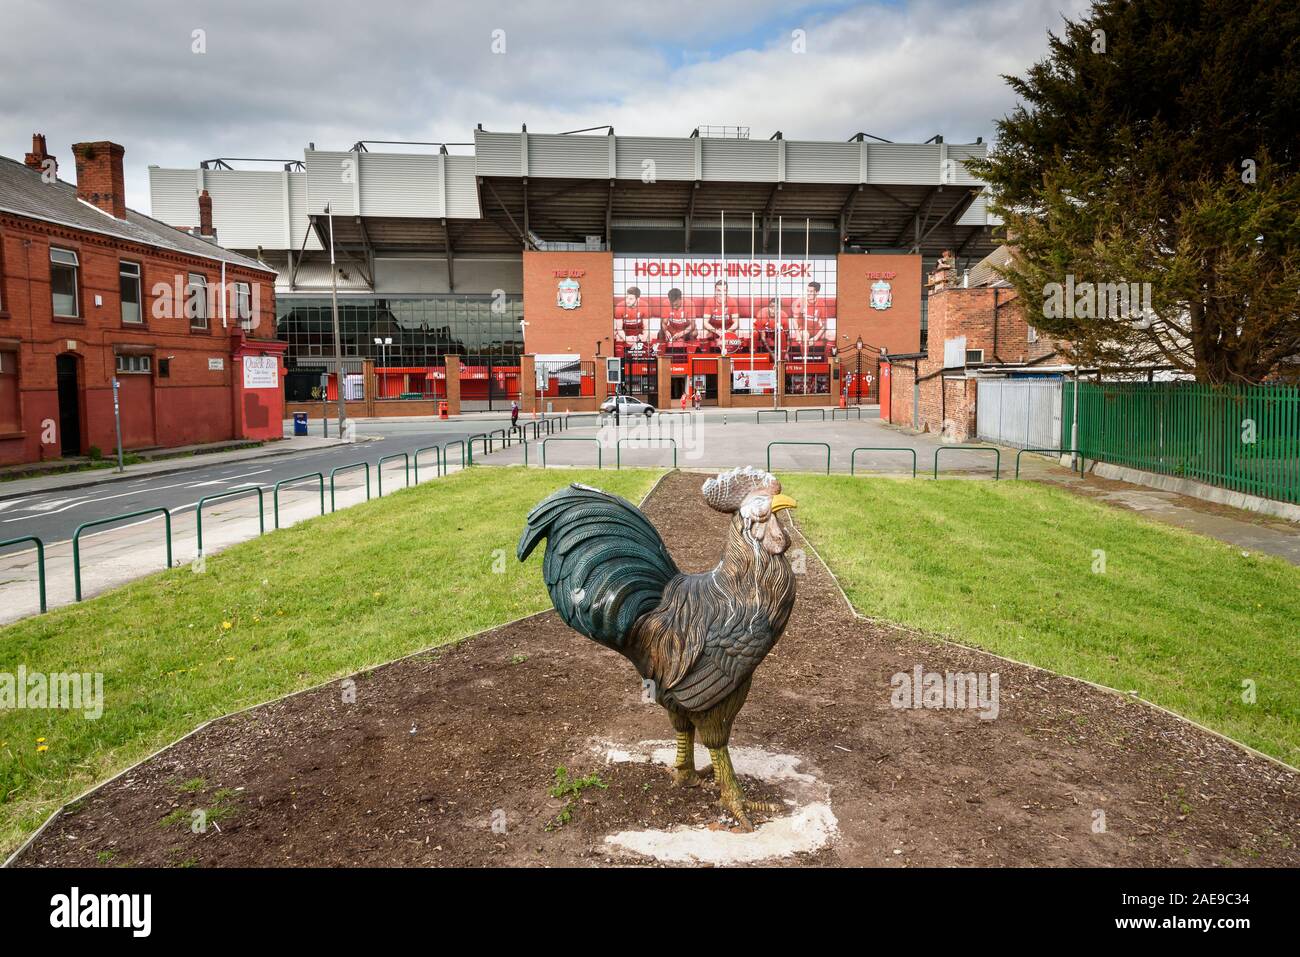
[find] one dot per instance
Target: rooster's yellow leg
(732, 797)
(684, 773)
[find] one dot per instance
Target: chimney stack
(205, 214)
(99, 176)
(37, 157)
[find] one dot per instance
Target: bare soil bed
(437, 747)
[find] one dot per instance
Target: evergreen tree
(1158, 144)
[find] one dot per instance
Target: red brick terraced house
(91, 290)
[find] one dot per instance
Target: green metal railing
(758, 415)
(275, 495)
(344, 468)
(554, 439)
(446, 466)
(1057, 451)
(469, 445)
(846, 410)
(40, 561)
(231, 493)
(997, 462)
(76, 539)
(1241, 437)
(880, 448)
(618, 448)
(406, 469)
(824, 445)
(821, 412)
(505, 437)
(437, 458)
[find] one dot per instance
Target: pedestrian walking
(514, 416)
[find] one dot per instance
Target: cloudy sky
(262, 79)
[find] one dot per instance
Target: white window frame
(975, 356)
(127, 364)
(198, 312)
(75, 266)
(122, 267)
(243, 303)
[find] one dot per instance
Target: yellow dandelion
(39, 740)
(226, 626)
(42, 747)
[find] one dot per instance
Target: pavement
(53, 507)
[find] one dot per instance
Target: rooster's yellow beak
(782, 501)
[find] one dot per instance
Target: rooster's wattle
(698, 638)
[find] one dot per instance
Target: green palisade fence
(1243, 437)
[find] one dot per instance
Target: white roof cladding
(401, 193)
(601, 156)
(414, 185)
(252, 208)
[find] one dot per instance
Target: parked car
(627, 405)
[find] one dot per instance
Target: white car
(627, 405)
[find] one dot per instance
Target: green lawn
(316, 601)
(1008, 566)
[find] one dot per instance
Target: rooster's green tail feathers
(605, 564)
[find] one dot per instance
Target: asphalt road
(55, 515)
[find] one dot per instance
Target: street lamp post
(857, 376)
(338, 346)
(383, 344)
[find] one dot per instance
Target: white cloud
(277, 75)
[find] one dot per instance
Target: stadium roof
(519, 190)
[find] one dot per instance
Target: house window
(164, 368)
(128, 282)
(63, 282)
(10, 419)
(243, 303)
(974, 356)
(1033, 334)
(129, 365)
(196, 300)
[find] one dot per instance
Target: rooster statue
(697, 638)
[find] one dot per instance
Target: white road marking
(223, 481)
(38, 512)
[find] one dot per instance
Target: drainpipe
(996, 357)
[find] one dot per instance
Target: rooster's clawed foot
(741, 809)
(691, 778)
